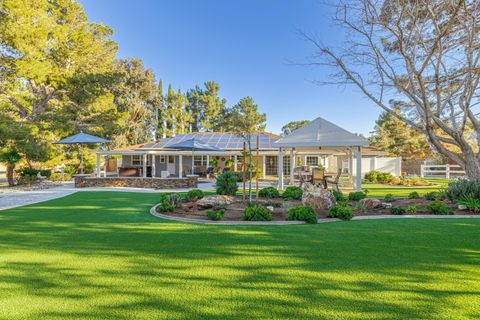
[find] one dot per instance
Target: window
(286, 165)
(162, 159)
(200, 161)
(312, 160)
(137, 160)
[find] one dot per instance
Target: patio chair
(318, 177)
(335, 181)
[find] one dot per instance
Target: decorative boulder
(188, 205)
(214, 201)
(371, 203)
(309, 187)
(319, 199)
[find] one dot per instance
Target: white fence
(441, 171)
(382, 164)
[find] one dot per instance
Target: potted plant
(213, 163)
(229, 163)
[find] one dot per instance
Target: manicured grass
(377, 190)
(102, 256)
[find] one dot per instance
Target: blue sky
(245, 46)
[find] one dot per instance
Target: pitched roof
(321, 133)
(224, 140)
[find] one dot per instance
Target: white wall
(382, 164)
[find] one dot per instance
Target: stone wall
(136, 182)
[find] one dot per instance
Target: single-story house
(156, 159)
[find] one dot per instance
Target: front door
(171, 164)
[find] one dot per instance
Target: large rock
(214, 201)
(318, 198)
(371, 203)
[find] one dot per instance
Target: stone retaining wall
(136, 182)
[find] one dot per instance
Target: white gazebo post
(105, 158)
(350, 164)
(292, 166)
(144, 165)
(208, 160)
(235, 163)
(280, 169)
(154, 171)
(98, 165)
(180, 166)
(358, 177)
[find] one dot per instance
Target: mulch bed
(235, 211)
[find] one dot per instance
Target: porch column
(264, 165)
(358, 178)
(235, 163)
(98, 165)
(105, 158)
(292, 166)
(280, 169)
(208, 160)
(154, 171)
(180, 166)
(144, 169)
(350, 164)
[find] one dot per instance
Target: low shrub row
(435, 207)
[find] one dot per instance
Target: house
(157, 159)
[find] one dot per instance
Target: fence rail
(441, 171)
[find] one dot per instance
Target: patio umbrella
(193, 145)
(82, 138)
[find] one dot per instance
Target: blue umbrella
(193, 144)
(82, 138)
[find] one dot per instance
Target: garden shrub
(302, 213)
(472, 204)
(384, 177)
(165, 207)
(195, 194)
(257, 213)
(397, 210)
(171, 199)
(293, 193)
(439, 207)
(269, 192)
(388, 197)
(371, 176)
(339, 196)
(216, 214)
(413, 195)
(433, 195)
(341, 210)
(357, 195)
(461, 189)
(28, 172)
(227, 184)
(414, 208)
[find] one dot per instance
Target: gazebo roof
(321, 133)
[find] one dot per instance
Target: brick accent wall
(136, 182)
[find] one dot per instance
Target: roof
(321, 133)
(226, 140)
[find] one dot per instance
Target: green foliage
(371, 176)
(293, 193)
(414, 208)
(397, 210)
(195, 194)
(293, 125)
(269, 192)
(384, 177)
(339, 196)
(388, 197)
(171, 199)
(302, 213)
(439, 208)
(216, 214)
(257, 213)
(413, 195)
(357, 196)
(165, 207)
(461, 189)
(433, 195)
(341, 210)
(472, 204)
(227, 184)
(244, 117)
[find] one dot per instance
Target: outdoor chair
(318, 177)
(335, 181)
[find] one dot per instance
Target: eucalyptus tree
(424, 54)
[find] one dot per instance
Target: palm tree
(10, 158)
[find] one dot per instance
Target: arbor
(292, 126)
(424, 54)
(398, 138)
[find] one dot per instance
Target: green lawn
(377, 190)
(101, 255)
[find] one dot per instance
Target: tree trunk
(472, 166)
(10, 175)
